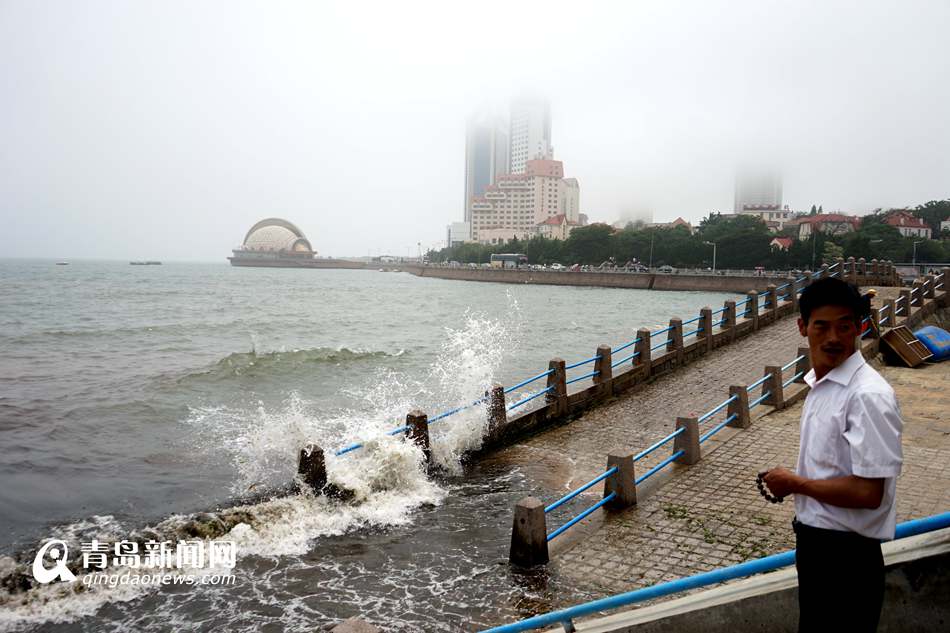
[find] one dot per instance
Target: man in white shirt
(849, 459)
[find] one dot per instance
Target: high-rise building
(519, 204)
(529, 133)
(758, 190)
(486, 155)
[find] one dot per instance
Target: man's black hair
(831, 291)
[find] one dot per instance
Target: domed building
(273, 242)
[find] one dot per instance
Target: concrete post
(905, 302)
(888, 317)
(808, 278)
(687, 441)
(852, 271)
(675, 340)
(875, 323)
(824, 271)
(796, 286)
(602, 366)
(917, 290)
(621, 482)
(495, 407)
(642, 348)
(929, 284)
(739, 407)
(730, 320)
(773, 387)
(942, 282)
(312, 467)
(863, 267)
(558, 380)
(752, 309)
(772, 298)
(529, 534)
(841, 268)
(803, 366)
(417, 431)
(706, 329)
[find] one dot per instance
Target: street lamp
(713, 244)
(915, 254)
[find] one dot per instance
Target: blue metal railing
(530, 398)
(693, 320)
(624, 359)
(719, 407)
(565, 617)
(584, 377)
(625, 346)
(759, 400)
(666, 462)
(792, 362)
(793, 379)
(523, 383)
(593, 482)
(717, 428)
(757, 383)
(580, 517)
(657, 445)
(582, 362)
(691, 332)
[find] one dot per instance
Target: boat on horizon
(64, 263)
(146, 263)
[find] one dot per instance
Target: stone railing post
(874, 271)
(417, 431)
(752, 309)
(729, 316)
(705, 333)
(312, 467)
(824, 271)
(796, 286)
(642, 348)
(842, 273)
(918, 292)
(929, 284)
(875, 323)
(674, 343)
(905, 300)
(739, 407)
(942, 285)
(621, 482)
(852, 271)
(772, 298)
(890, 310)
(529, 534)
(773, 387)
(602, 366)
(687, 441)
(495, 408)
(863, 267)
(803, 366)
(558, 380)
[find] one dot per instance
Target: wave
(258, 364)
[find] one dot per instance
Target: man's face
(831, 332)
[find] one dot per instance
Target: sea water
(131, 397)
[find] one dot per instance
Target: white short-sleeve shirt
(851, 425)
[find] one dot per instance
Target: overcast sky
(166, 129)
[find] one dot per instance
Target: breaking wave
(256, 364)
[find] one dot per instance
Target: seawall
(641, 281)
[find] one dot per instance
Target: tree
(831, 252)
(813, 211)
(933, 213)
(589, 244)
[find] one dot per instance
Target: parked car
(666, 269)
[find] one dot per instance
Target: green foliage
(933, 213)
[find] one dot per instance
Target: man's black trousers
(840, 580)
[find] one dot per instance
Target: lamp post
(652, 235)
(915, 254)
(713, 244)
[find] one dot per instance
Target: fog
(166, 129)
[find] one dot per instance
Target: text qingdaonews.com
(157, 579)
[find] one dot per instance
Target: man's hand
(850, 491)
(782, 482)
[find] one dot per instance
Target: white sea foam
(387, 475)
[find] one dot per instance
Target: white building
(529, 133)
(458, 233)
(519, 203)
(486, 155)
(774, 217)
(908, 224)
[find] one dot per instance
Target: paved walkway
(710, 515)
(634, 422)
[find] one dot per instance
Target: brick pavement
(710, 514)
(636, 420)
